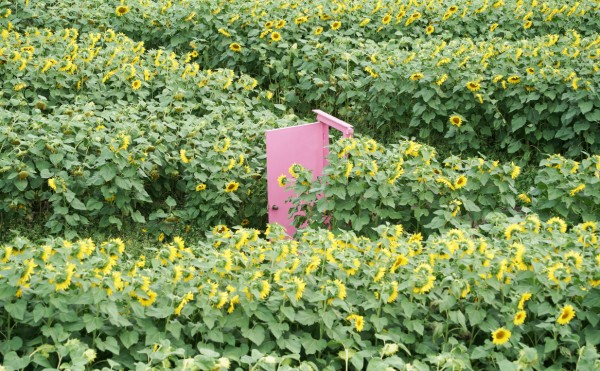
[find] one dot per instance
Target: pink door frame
(307, 145)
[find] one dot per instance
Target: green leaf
(129, 338)
(92, 323)
(255, 334)
(13, 362)
(586, 106)
(21, 184)
(311, 346)
(170, 201)
(109, 344)
(78, 205)
(17, 309)
(550, 345)
(288, 312)
(475, 315)
(137, 217)
(517, 123)
(108, 172)
(506, 365)
(470, 205)
(277, 329)
(592, 336)
(307, 318)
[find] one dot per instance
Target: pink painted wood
(306, 145)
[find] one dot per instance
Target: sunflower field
(458, 229)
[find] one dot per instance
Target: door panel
(304, 145)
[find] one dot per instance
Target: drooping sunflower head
(295, 169)
(282, 180)
(122, 10)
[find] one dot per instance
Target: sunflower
(52, 184)
(520, 317)
(524, 198)
(275, 36)
(493, 27)
(400, 261)
(300, 20)
(318, 30)
(280, 24)
(500, 336)
(282, 180)
(567, 313)
(235, 47)
(526, 296)
(528, 25)
(200, 187)
(460, 182)
(514, 79)
(558, 272)
(364, 22)
(561, 225)
(244, 222)
(456, 120)
(183, 156)
(453, 9)
(336, 25)
(122, 10)
(416, 76)
(232, 187)
(473, 85)
(515, 171)
(577, 189)
(530, 70)
(358, 321)
(429, 30)
(430, 279)
(577, 258)
(294, 169)
(386, 19)
(136, 84)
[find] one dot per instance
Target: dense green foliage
(327, 301)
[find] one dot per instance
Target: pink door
(305, 145)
